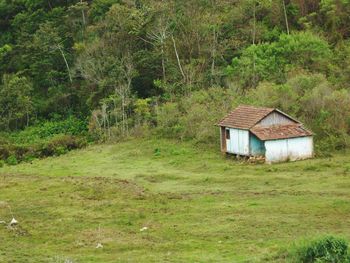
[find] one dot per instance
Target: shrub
(168, 120)
(327, 250)
(46, 139)
(57, 145)
(61, 144)
(193, 117)
(4, 151)
(49, 129)
(2, 163)
(28, 157)
(60, 150)
(12, 160)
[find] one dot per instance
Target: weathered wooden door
(239, 141)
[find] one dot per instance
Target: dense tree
(120, 61)
(15, 102)
(271, 61)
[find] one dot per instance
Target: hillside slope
(197, 206)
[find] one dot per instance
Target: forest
(76, 71)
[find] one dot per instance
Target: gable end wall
(275, 118)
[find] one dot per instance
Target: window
(227, 134)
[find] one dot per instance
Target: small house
(256, 131)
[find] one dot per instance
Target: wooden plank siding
(275, 118)
(289, 149)
(238, 143)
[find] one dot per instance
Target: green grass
(198, 206)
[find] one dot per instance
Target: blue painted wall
(257, 147)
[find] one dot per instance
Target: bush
(327, 250)
(4, 151)
(12, 160)
(49, 129)
(60, 144)
(2, 163)
(28, 157)
(194, 117)
(168, 120)
(46, 139)
(57, 145)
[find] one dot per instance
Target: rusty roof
(245, 117)
(280, 132)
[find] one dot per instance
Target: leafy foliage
(326, 250)
(271, 61)
(44, 130)
(126, 65)
(15, 101)
(311, 98)
(11, 160)
(45, 139)
(194, 117)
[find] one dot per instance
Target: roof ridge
(245, 116)
(276, 125)
(256, 107)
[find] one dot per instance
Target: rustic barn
(256, 131)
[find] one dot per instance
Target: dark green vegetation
(45, 139)
(328, 249)
(197, 205)
(126, 67)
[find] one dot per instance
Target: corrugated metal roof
(280, 132)
(245, 117)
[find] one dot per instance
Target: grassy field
(197, 205)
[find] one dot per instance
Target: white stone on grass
(144, 228)
(99, 245)
(13, 222)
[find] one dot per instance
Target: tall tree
(15, 102)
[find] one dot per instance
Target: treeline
(174, 67)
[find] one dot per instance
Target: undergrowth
(50, 138)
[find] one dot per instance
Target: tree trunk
(123, 114)
(254, 71)
(83, 14)
(285, 16)
(163, 63)
(66, 62)
(213, 54)
(178, 59)
(254, 22)
(27, 114)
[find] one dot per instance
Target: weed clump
(312, 168)
(326, 250)
(12, 160)
(156, 152)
